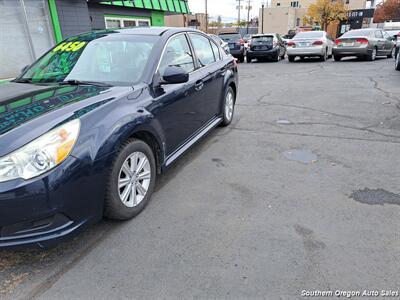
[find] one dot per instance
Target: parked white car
(310, 44)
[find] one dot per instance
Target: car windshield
(108, 58)
(265, 38)
(357, 33)
(230, 37)
(309, 35)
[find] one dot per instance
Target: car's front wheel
(131, 180)
(228, 107)
(397, 63)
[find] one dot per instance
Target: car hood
(28, 111)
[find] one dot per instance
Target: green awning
(174, 6)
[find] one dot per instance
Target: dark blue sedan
(85, 130)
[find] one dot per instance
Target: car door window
(177, 53)
(378, 34)
(215, 48)
(203, 49)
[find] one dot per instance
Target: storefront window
(121, 22)
(25, 34)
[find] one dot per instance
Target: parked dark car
(85, 130)
(236, 44)
(365, 43)
(269, 46)
(397, 56)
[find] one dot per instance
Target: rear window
(266, 38)
(309, 35)
(230, 36)
(357, 33)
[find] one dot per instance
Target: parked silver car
(310, 44)
(365, 43)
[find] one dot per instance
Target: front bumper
(351, 51)
(305, 51)
(46, 209)
(272, 53)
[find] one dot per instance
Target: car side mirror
(174, 75)
(24, 69)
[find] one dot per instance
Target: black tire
(337, 57)
(249, 59)
(225, 118)
(372, 56)
(291, 58)
(114, 208)
(397, 62)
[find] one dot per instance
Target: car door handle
(199, 85)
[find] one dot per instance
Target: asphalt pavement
(301, 193)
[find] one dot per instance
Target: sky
(225, 8)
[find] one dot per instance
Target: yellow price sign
(69, 46)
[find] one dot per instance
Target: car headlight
(42, 154)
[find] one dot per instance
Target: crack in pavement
(259, 100)
(366, 129)
(387, 94)
(314, 135)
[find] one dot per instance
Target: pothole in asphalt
(301, 155)
(375, 197)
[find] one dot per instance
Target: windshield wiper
(23, 80)
(82, 82)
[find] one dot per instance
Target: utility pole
(248, 14)
(262, 16)
(206, 16)
(239, 2)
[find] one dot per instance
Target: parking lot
(300, 193)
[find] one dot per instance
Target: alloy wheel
(229, 105)
(134, 179)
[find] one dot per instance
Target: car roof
(155, 31)
(366, 29)
(262, 34)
